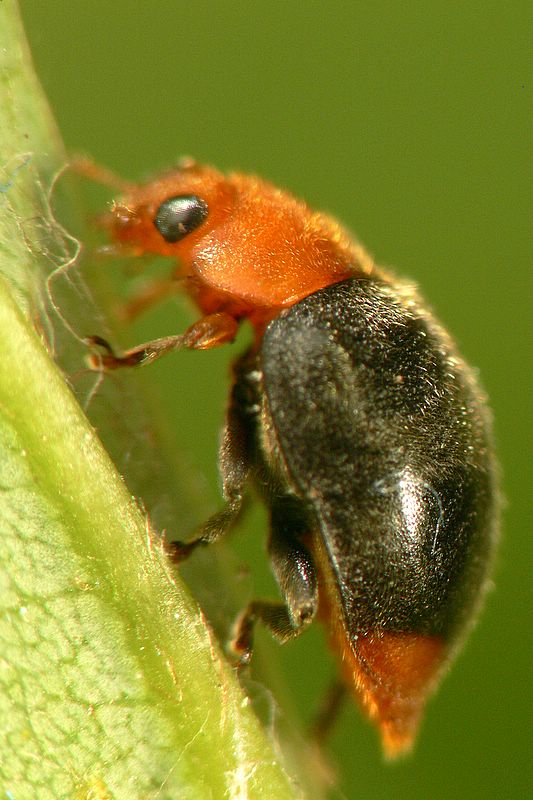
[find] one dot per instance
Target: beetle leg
(235, 464)
(148, 296)
(329, 711)
(208, 332)
(296, 575)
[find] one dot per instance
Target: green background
(408, 122)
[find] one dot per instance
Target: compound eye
(178, 216)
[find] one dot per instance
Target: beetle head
(236, 235)
(168, 216)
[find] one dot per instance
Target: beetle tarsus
(274, 616)
(208, 332)
(180, 551)
(103, 356)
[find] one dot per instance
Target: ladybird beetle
(352, 412)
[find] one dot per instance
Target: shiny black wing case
(383, 435)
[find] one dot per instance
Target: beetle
(364, 430)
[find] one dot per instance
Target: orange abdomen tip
(393, 674)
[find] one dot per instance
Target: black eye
(180, 215)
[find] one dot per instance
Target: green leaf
(111, 684)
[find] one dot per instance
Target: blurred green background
(408, 122)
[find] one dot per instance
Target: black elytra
(383, 438)
(370, 441)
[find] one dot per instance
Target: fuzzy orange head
(244, 243)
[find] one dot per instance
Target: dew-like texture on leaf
(75, 712)
(111, 686)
